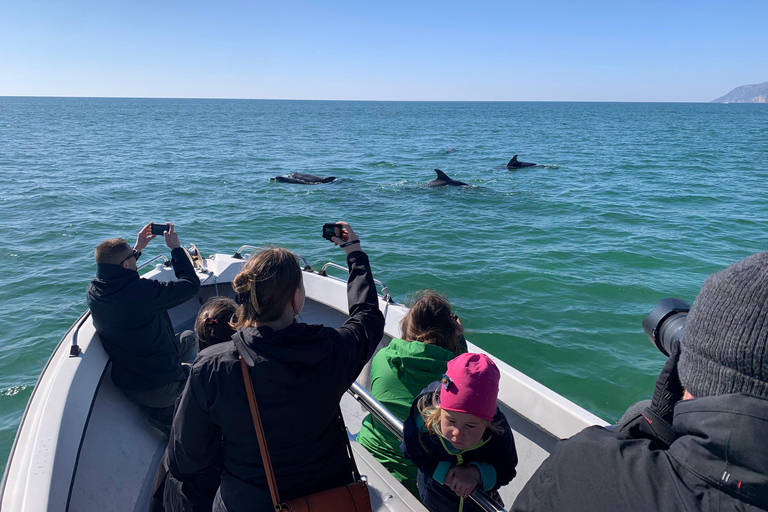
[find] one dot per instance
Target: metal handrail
(253, 248)
(384, 289)
(74, 350)
(378, 411)
(165, 258)
(395, 426)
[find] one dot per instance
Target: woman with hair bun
(431, 336)
(299, 373)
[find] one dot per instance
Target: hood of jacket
(722, 439)
(110, 281)
(411, 361)
(288, 355)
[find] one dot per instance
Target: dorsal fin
(512, 162)
(441, 175)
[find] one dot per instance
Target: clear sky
(547, 50)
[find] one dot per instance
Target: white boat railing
(395, 426)
(384, 289)
(238, 255)
(152, 260)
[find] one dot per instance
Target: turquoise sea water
(551, 268)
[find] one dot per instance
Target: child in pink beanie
(459, 438)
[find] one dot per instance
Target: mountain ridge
(753, 93)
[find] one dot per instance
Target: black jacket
(131, 316)
(299, 374)
(496, 459)
(718, 461)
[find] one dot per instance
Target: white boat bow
(83, 446)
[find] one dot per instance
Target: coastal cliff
(755, 93)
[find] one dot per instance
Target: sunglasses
(134, 254)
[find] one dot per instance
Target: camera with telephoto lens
(666, 323)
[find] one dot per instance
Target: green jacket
(399, 373)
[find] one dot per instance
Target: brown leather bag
(352, 497)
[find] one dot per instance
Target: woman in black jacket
(299, 373)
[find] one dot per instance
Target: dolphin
(302, 179)
(514, 164)
(443, 181)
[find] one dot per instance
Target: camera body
(666, 323)
(331, 230)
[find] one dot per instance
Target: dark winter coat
(718, 461)
(496, 459)
(131, 316)
(299, 376)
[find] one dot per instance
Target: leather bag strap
(267, 461)
(271, 482)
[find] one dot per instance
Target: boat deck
(118, 431)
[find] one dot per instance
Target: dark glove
(668, 392)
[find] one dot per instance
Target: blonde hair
(112, 251)
(431, 413)
(430, 320)
(265, 286)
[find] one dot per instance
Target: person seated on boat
(299, 373)
(431, 336)
(700, 445)
(130, 315)
(458, 437)
(213, 322)
(211, 327)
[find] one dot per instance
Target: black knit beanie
(725, 346)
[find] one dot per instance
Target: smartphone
(330, 230)
(159, 229)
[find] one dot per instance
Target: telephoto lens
(666, 323)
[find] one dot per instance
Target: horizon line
(345, 100)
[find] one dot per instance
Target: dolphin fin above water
(517, 165)
(443, 180)
(302, 179)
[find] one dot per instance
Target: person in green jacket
(432, 336)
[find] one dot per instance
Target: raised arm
(364, 328)
(168, 295)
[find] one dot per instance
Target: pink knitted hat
(471, 385)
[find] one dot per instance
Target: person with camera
(299, 373)
(130, 315)
(700, 445)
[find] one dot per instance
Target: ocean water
(551, 268)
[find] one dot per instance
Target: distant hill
(755, 93)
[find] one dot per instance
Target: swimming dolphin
(443, 181)
(514, 164)
(302, 179)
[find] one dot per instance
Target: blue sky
(383, 50)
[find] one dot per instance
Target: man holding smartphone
(130, 315)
